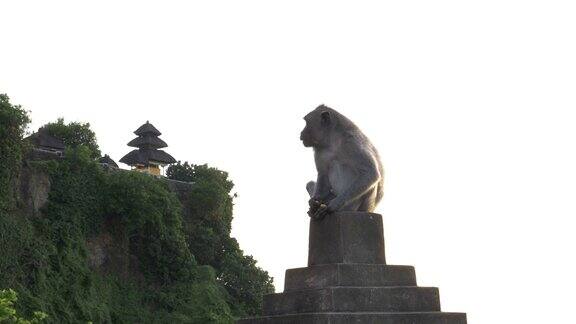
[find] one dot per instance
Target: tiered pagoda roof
(148, 145)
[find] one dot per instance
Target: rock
(34, 190)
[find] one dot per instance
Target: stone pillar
(346, 237)
(348, 281)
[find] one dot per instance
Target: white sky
(471, 104)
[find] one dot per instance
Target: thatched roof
(106, 159)
(147, 141)
(147, 129)
(146, 156)
(42, 139)
(148, 144)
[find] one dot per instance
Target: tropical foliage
(13, 123)
(74, 134)
(207, 229)
(7, 312)
(169, 259)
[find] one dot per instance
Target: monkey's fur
(350, 174)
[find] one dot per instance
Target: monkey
(350, 173)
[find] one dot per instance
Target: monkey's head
(319, 124)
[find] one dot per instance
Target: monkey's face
(316, 131)
(307, 135)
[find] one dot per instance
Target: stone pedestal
(346, 237)
(348, 281)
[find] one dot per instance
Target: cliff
(82, 243)
(107, 251)
(85, 243)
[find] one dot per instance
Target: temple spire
(147, 157)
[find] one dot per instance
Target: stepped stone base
(361, 318)
(349, 275)
(353, 299)
(348, 281)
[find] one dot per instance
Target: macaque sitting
(350, 174)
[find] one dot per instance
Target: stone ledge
(353, 299)
(364, 318)
(351, 275)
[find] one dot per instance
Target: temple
(44, 142)
(147, 157)
(106, 161)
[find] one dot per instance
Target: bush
(8, 313)
(74, 134)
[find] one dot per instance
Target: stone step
(353, 299)
(357, 275)
(363, 318)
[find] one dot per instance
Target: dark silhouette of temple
(106, 161)
(44, 144)
(147, 157)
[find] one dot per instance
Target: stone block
(361, 318)
(351, 275)
(347, 237)
(353, 299)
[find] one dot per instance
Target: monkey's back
(376, 156)
(357, 138)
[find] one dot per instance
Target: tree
(207, 226)
(8, 314)
(13, 123)
(74, 134)
(245, 282)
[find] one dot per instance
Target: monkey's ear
(325, 117)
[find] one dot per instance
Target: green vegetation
(74, 134)
(13, 122)
(8, 313)
(208, 232)
(119, 246)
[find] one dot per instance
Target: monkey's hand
(321, 212)
(314, 205)
(318, 209)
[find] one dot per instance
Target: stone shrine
(147, 158)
